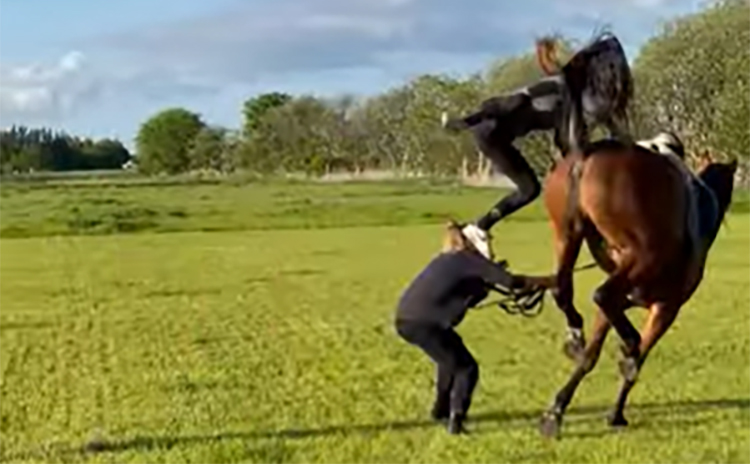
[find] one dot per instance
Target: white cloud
(649, 3)
(46, 89)
(279, 37)
(284, 36)
(51, 92)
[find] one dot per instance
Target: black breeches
(457, 371)
(499, 122)
(508, 160)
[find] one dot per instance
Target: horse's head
(702, 159)
(719, 177)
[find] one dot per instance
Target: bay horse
(631, 205)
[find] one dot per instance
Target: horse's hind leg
(552, 418)
(660, 318)
(612, 298)
(598, 248)
(567, 247)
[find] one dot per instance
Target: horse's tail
(546, 55)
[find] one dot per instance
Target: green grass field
(253, 323)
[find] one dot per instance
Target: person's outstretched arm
(492, 272)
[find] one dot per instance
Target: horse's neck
(703, 207)
(681, 166)
(708, 209)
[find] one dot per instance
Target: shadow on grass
(522, 418)
(25, 325)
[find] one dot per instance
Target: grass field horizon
(253, 323)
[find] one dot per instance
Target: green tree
(23, 149)
(208, 150)
(297, 136)
(105, 154)
(255, 108)
(164, 140)
(693, 78)
(432, 149)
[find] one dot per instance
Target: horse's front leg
(660, 318)
(552, 418)
(567, 248)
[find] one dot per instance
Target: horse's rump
(636, 201)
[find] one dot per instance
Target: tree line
(25, 150)
(692, 77)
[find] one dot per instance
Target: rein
(527, 304)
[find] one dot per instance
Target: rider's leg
(536, 102)
(492, 109)
(508, 160)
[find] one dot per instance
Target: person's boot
(452, 124)
(440, 411)
(456, 424)
(478, 238)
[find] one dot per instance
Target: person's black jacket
(451, 283)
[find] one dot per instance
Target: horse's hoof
(550, 424)
(629, 368)
(617, 420)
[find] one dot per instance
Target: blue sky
(99, 68)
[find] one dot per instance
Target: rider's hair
(547, 54)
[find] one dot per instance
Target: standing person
(598, 75)
(435, 302)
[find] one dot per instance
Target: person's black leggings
(457, 371)
(498, 147)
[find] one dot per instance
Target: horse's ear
(733, 164)
(703, 159)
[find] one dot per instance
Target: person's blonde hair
(453, 238)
